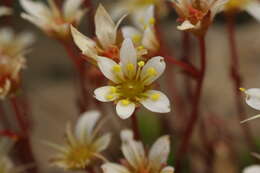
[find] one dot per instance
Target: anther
(141, 63)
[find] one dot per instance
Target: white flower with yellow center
(252, 169)
(53, 20)
(106, 32)
(4, 11)
(251, 6)
(12, 61)
(144, 36)
(83, 146)
(138, 160)
(131, 82)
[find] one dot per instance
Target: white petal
(186, 25)
(36, 21)
(5, 11)
(36, 9)
(156, 63)
(130, 32)
(160, 105)
(102, 142)
(150, 41)
(114, 168)
(85, 44)
(126, 135)
(253, 98)
(217, 7)
(105, 28)
(167, 169)
(143, 17)
(252, 169)
(86, 123)
(102, 93)
(159, 152)
(253, 8)
(125, 111)
(128, 55)
(106, 66)
(70, 7)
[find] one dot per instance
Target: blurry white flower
(132, 82)
(143, 37)
(12, 50)
(53, 20)
(196, 16)
(83, 146)
(137, 160)
(252, 169)
(251, 6)
(5, 11)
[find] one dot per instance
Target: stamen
(125, 102)
(140, 48)
(141, 63)
(136, 38)
(155, 96)
(242, 89)
(117, 68)
(152, 21)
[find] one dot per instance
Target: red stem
(91, 25)
(237, 80)
(135, 126)
(195, 106)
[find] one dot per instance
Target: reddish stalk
(91, 26)
(195, 106)
(135, 126)
(237, 80)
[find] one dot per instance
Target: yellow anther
(109, 97)
(155, 96)
(151, 71)
(242, 89)
(113, 90)
(125, 102)
(136, 38)
(152, 21)
(140, 48)
(130, 67)
(117, 68)
(141, 63)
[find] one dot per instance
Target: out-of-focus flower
(252, 169)
(12, 61)
(137, 160)
(83, 146)
(106, 32)
(5, 11)
(196, 16)
(132, 82)
(143, 37)
(53, 20)
(251, 6)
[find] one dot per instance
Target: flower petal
(167, 169)
(253, 98)
(186, 25)
(114, 168)
(37, 9)
(102, 94)
(156, 102)
(253, 8)
(107, 66)
(159, 152)
(144, 17)
(42, 24)
(132, 33)
(71, 7)
(252, 169)
(105, 28)
(150, 41)
(85, 44)
(86, 123)
(102, 142)
(157, 65)
(126, 135)
(125, 111)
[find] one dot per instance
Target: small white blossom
(53, 20)
(4, 11)
(83, 146)
(131, 82)
(137, 160)
(252, 169)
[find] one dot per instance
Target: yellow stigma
(155, 96)
(117, 68)
(125, 102)
(152, 21)
(136, 38)
(151, 71)
(130, 67)
(109, 97)
(242, 89)
(141, 63)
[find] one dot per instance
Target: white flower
(252, 169)
(131, 82)
(53, 20)
(144, 36)
(83, 145)
(4, 11)
(251, 6)
(196, 16)
(12, 61)
(137, 160)
(106, 32)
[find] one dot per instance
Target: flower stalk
(135, 126)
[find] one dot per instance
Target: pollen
(151, 71)
(125, 102)
(152, 21)
(242, 89)
(141, 63)
(117, 68)
(136, 38)
(155, 96)
(130, 67)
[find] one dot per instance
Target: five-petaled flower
(197, 15)
(131, 82)
(12, 50)
(83, 146)
(53, 20)
(137, 160)
(106, 32)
